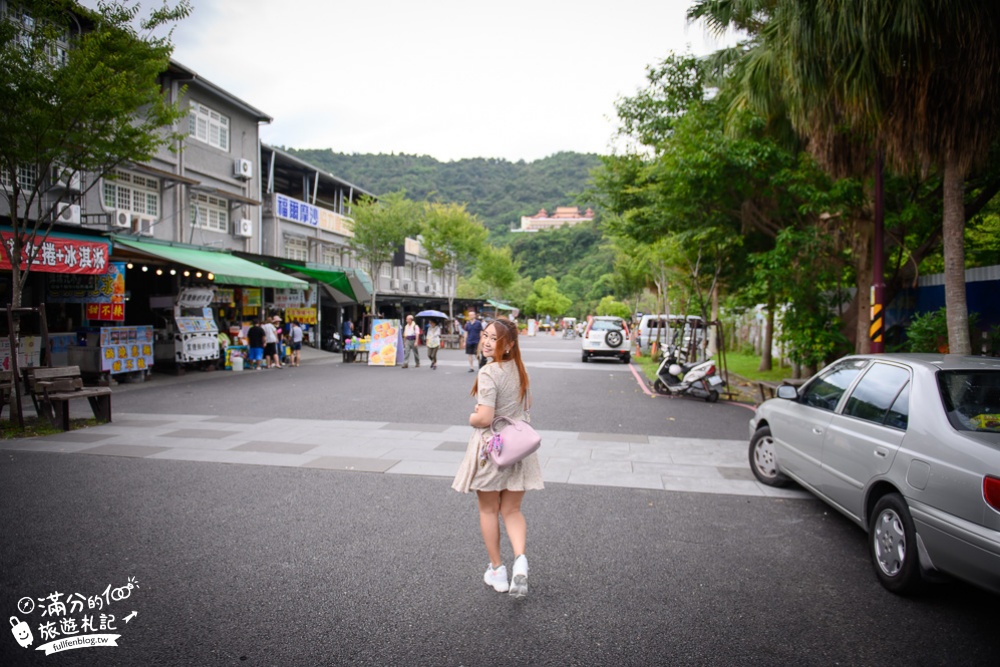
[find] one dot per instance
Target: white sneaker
(497, 578)
(519, 582)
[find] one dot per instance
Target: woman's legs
(513, 520)
(493, 505)
(489, 524)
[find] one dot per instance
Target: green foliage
(81, 92)
(928, 332)
(381, 226)
(496, 191)
(608, 306)
(451, 235)
(546, 299)
(496, 270)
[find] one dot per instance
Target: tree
(80, 97)
(546, 299)
(609, 306)
(453, 238)
(381, 227)
(917, 79)
(496, 270)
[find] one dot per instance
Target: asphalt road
(262, 565)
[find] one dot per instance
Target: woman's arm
(482, 417)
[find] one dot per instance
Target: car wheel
(627, 359)
(892, 540)
(613, 338)
(763, 462)
(713, 396)
(584, 358)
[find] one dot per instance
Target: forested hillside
(497, 191)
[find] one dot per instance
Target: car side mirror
(787, 391)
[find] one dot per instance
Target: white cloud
(448, 78)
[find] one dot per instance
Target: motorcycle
(697, 378)
(332, 343)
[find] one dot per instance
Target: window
(296, 248)
(971, 399)
(26, 177)
(385, 270)
(825, 391)
(209, 126)
(877, 392)
(132, 192)
(208, 212)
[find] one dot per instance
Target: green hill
(497, 191)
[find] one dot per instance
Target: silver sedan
(905, 445)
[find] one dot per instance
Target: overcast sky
(520, 79)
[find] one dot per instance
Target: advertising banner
(301, 315)
(60, 254)
(103, 295)
(387, 343)
(126, 349)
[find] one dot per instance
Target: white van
(664, 328)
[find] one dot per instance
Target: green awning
(228, 269)
(499, 306)
(336, 279)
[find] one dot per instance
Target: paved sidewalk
(632, 461)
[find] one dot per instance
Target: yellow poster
(386, 343)
(301, 315)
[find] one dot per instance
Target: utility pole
(877, 327)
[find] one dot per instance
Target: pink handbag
(512, 442)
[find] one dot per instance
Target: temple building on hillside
(564, 215)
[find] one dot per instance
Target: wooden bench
(52, 388)
(6, 389)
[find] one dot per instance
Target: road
(284, 565)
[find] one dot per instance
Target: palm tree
(917, 77)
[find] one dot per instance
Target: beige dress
(499, 388)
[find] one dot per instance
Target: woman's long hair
(507, 349)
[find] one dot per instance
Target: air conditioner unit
(68, 214)
(427, 289)
(243, 169)
(406, 287)
(394, 283)
(243, 227)
(64, 178)
(144, 226)
(121, 218)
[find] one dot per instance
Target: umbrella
(432, 313)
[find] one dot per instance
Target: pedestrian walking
(271, 343)
(296, 343)
(433, 343)
(411, 339)
(473, 331)
(501, 390)
(255, 340)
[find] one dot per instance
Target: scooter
(698, 378)
(332, 343)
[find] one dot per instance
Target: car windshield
(971, 399)
(605, 325)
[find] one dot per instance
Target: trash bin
(237, 363)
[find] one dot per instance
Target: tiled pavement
(634, 461)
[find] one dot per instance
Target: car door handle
(817, 431)
(881, 453)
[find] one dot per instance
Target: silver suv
(606, 336)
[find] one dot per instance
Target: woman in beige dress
(501, 390)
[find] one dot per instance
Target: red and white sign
(59, 254)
